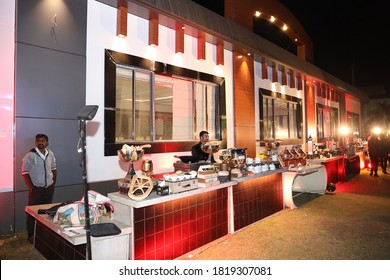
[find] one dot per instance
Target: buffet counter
(335, 168)
(305, 179)
(165, 227)
(352, 166)
(168, 226)
(56, 243)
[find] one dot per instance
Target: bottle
(310, 147)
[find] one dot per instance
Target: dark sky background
(349, 37)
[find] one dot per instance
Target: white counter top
(323, 160)
(76, 236)
(153, 198)
(261, 174)
(305, 170)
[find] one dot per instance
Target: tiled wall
(168, 230)
(256, 199)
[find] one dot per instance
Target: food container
(182, 186)
(223, 176)
(238, 157)
(147, 166)
(162, 190)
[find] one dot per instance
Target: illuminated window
(170, 104)
(327, 122)
(180, 107)
(280, 116)
(353, 123)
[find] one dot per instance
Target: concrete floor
(353, 223)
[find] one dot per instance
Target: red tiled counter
(335, 168)
(257, 198)
(166, 227)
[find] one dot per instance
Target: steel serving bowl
(210, 148)
(131, 153)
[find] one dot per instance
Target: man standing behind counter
(39, 173)
(196, 150)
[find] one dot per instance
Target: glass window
(281, 119)
(268, 118)
(163, 104)
(327, 122)
(181, 107)
(294, 120)
(206, 105)
(153, 102)
(279, 116)
(124, 125)
(353, 123)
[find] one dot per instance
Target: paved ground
(351, 224)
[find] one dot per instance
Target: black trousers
(374, 164)
(384, 160)
(38, 196)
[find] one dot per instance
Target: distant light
(257, 14)
(296, 40)
(284, 27)
(377, 130)
(272, 19)
(249, 54)
(344, 130)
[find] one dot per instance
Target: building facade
(176, 69)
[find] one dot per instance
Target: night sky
(349, 37)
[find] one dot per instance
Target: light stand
(87, 113)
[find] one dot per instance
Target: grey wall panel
(21, 199)
(50, 91)
(7, 215)
(105, 187)
(63, 138)
(49, 84)
(53, 24)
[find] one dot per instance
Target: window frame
(265, 94)
(320, 126)
(352, 120)
(112, 59)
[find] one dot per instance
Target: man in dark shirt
(374, 152)
(196, 150)
(384, 152)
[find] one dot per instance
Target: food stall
(163, 216)
(169, 224)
